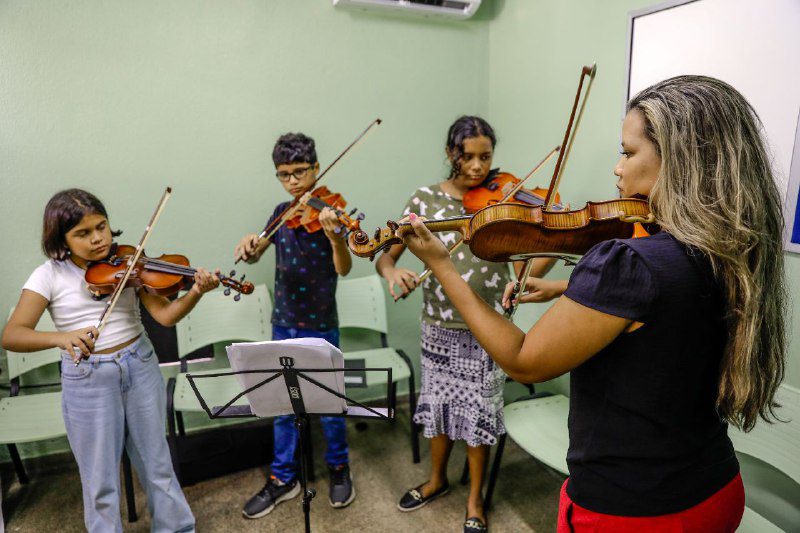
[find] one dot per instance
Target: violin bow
(427, 272)
(569, 135)
(132, 261)
(558, 172)
(269, 231)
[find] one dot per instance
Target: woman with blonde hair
(669, 338)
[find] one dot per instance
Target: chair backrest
(20, 363)
(777, 444)
(362, 304)
(218, 318)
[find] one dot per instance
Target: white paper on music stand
(272, 399)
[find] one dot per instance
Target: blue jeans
(284, 465)
(99, 398)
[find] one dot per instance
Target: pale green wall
(536, 52)
(124, 98)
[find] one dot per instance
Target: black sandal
(474, 524)
(413, 499)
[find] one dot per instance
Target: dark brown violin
(513, 232)
(164, 275)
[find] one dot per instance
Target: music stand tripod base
(292, 377)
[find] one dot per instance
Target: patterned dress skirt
(462, 388)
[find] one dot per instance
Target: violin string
(173, 268)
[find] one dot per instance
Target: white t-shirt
(71, 305)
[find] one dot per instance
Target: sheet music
(272, 399)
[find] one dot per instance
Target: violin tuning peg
(227, 291)
(233, 273)
(241, 280)
(361, 216)
(352, 211)
(237, 297)
(337, 230)
(377, 234)
(392, 225)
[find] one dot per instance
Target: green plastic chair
(216, 318)
(361, 303)
(30, 417)
(37, 417)
(778, 445)
(538, 424)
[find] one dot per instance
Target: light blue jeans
(99, 398)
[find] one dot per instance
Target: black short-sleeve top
(645, 435)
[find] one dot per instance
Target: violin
(498, 187)
(307, 215)
(164, 275)
(515, 232)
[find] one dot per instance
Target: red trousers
(721, 512)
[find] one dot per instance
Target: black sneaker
(342, 492)
(273, 493)
(413, 499)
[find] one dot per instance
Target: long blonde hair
(716, 192)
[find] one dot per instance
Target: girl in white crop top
(117, 385)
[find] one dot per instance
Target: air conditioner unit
(454, 9)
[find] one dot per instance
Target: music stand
(294, 390)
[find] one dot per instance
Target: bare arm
(566, 336)
(20, 334)
(406, 280)
(250, 248)
(168, 313)
(342, 261)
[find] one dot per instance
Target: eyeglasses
(300, 173)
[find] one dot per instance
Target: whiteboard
(754, 45)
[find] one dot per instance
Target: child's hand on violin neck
(78, 343)
(205, 281)
(330, 224)
(246, 248)
(423, 244)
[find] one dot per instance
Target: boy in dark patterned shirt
(307, 266)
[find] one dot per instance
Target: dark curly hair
(294, 148)
(465, 127)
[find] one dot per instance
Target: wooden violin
(512, 232)
(307, 215)
(164, 275)
(499, 188)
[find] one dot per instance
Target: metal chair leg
(18, 466)
(493, 473)
(181, 427)
(172, 437)
(412, 408)
(130, 497)
(393, 400)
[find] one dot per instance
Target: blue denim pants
(284, 465)
(99, 398)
